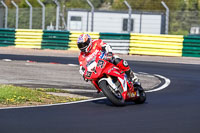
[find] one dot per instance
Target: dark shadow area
(108, 103)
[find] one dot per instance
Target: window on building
(125, 24)
(75, 18)
(75, 23)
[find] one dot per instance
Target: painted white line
(7, 60)
(80, 90)
(167, 82)
(72, 65)
(142, 73)
(49, 105)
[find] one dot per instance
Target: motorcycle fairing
(98, 68)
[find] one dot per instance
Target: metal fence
(23, 18)
(57, 18)
(180, 22)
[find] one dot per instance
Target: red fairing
(113, 70)
(96, 85)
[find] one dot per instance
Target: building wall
(151, 24)
(113, 22)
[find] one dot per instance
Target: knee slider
(123, 65)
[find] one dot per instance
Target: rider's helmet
(84, 43)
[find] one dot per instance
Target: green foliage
(83, 3)
(180, 19)
(148, 5)
(116, 4)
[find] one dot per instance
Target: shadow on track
(108, 103)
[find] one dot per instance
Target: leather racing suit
(99, 45)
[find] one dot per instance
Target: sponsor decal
(85, 37)
(116, 73)
(110, 70)
(125, 63)
(92, 55)
(94, 46)
(131, 94)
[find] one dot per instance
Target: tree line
(183, 13)
(191, 5)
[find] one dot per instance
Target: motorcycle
(112, 81)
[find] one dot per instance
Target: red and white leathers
(98, 45)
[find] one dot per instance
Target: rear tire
(142, 98)
(116, 100)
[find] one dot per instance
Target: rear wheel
(114, 96)
(142, 98)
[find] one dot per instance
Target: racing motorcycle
(112, 81)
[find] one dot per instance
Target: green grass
(14, 95)
(52, 90)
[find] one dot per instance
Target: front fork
(96, 86)
(108, 79)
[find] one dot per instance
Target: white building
(109, 21)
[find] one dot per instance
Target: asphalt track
(176, 109)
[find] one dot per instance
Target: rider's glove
(109, 56)
(85, 78)
(82, 70)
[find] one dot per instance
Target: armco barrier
(118, 41)
(191, 46)
(41, 39)
(25, 38)
(163, 45)
(55, 40)
(142, 44)
(7, 37)
(74, 36)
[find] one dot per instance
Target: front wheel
(115, 97)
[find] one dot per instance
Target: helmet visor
(83, 45)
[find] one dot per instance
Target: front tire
(106, 89)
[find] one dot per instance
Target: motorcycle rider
(89, 48)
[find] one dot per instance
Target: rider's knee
(122, 64)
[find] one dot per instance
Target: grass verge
(52, 90)
(21, 96)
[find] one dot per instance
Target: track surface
(175, 109)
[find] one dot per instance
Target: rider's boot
(133, 78)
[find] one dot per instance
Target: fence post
(30, 17)
(92, 15)
(57, 14)
(167, 17)
(17, 13)
(43, 14)
(129, 12)
(6, 14)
